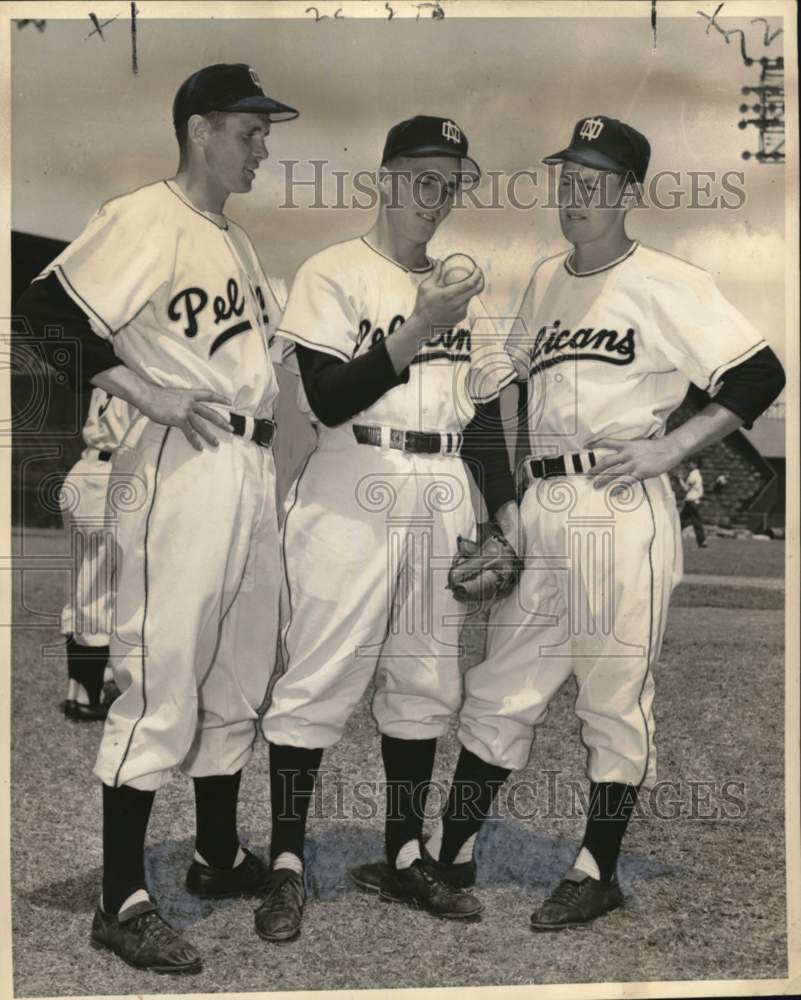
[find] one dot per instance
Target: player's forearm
(485, 453)
(403, 345)
(712, 424)
(125, 384)
(338, 390)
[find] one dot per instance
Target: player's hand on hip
(439, 304)
(641, 458)
(185, 409)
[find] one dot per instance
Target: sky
(85, 128)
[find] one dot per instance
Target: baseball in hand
(457, 267)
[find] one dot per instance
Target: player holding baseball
(389, 356)
(183, 316)
(86, 617)
(610, 335)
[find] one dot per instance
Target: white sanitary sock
(408, 854)
(286, 859)
(240, 857)
(140, 896)
(586, 863)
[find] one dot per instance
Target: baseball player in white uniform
(693, 487)
(610, 335)
(183, 316)
(86, 617)
(390, 361)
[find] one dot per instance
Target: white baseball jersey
(349, 297)
(182, 298)
(179, 293)
(611, 353)
(695, 486)
(107, 421)
(369, 531)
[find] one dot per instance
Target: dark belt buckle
(554, 466)
(263, 431)
(415, 442)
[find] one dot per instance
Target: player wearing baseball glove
(486, 570)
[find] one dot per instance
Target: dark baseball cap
(607, 144)
(226, 87)
(426, 135)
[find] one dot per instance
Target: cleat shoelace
(285, 893)
(156, 927)
(566, 893)
(432, 876)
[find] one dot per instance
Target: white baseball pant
(368, 538)
(592, 603)
(197, 593)
(86, 615)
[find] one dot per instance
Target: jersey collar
(597, 270)
(219, 221)
(408, 270)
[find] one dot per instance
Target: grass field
(703, 869)
(734, 557)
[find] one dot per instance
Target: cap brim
(588, 157)
(420, 151)
(263, 106)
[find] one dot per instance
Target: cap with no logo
(427, 135)
(607, 144)
(226, 87)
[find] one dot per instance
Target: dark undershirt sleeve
(338, 390)
(748, 389)
(484, 453)
(45, 305)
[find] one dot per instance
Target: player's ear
(385, 185)
(197, 129)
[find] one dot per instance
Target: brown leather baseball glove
(485, 570)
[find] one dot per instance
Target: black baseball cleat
(577, 901)
(421, 886)
(279, 917)
(369, 876)
(457, 876)
(78, 712)
(249, 878)
(145, 940)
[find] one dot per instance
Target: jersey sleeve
(319, 314)
(116, 265)
(491, 368)
(697, 330)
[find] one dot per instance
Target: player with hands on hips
(609, 336)
(392, 356)
(176, 317)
